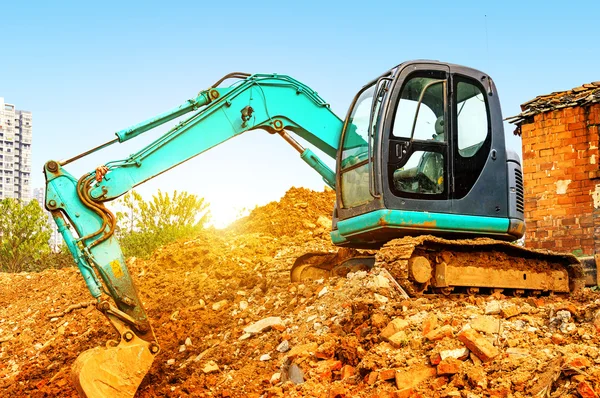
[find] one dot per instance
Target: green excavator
(425, 187)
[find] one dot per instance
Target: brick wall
(562, 180)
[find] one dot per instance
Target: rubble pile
(230, 324)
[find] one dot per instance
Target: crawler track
(428, 264)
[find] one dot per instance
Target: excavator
(425, 187)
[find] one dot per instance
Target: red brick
(326, 368)
(449, 366)
(409, 379)
(393, 327)
(478, 345)
(585, 390)
(439, 382)
(435, 359)
(429, 324)
(577, 362)
(576, 126)
(387, 374)
(347, 371)
(371, 378)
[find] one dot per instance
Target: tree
(147, 225)
(24, 235)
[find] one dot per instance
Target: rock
(379, 282)
(478, 345)
(459, 353)
(429, 324)
(407, 380)
(378, 320)
(486, 324)
(558, 339)
(263, 324)
(295, 374)
(563, 316)
(304, 350)
(326, 368)
(380, 298)
(517, 352)
(245, 336)
(510, 311)
(284, 346)
(535, 302)
(4, 339)
(170, 362)
(243, 305)
(210, 367)
(309, 225)
(449, 366)
(492, 308)
(567, 327)
(477, 377)
(326, 350)
(275, 378)
(439, 333)
(265, 357)
(324, 222)
(322, 292)
(399, 339)
(188, 342)
(393, 327)
(219, 305)
(182, 348)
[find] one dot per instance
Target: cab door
(416, 144)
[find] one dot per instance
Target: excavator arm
(275, 103)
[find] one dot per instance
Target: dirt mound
(299, 209)
(345, 337)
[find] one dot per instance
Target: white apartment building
(15, 152)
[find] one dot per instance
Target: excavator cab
(423, 152)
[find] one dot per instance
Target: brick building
(561, 169)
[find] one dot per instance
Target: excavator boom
(274, 103)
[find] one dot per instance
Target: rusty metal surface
(578, 96)
(395, 256)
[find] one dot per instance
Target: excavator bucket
(114, 372)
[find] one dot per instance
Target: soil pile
(230, 324)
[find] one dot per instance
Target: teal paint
(316, 163)
(415, 220)
(89, 277)
(271, 97)
(336, 238)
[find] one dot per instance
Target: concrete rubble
(258, 335)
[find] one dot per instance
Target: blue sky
(86, 70)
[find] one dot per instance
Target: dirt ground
(344, 337)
